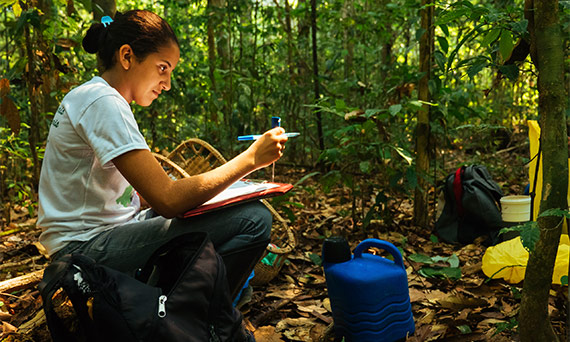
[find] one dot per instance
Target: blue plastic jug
(369, 294)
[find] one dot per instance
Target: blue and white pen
(257, 136)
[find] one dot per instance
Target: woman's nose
(166, 84)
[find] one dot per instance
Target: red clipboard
(240, 192)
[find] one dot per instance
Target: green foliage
(529, 231)
(367, 61)
(512, 324)
(440, 267)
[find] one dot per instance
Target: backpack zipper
(162, 306)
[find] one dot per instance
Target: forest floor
(294, 305)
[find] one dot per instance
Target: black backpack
(180, 295)
(472, 206)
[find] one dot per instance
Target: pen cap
(275, 121)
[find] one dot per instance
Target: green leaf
(520, 26)
(463, 40)
(476, 67)
(365, 167)
(506, 44)
(6, 3)
(411, 177)
(511, 71)
(443, 44)
(415, 104)
(490, 37)
(421, 258)
(340, 104)
(452, 15)
(440, 59)
(453, 260)
(305, 177)
(395, 109)
(529, 236)
(371, 112)
(555, 212)
(464, 329)
(315, 258)
(404, 154)
(444, 29)
(433, 238)
(447, 272)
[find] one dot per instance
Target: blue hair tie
(106, 21)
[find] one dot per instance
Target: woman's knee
(261, 219)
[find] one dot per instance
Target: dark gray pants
(127, 247)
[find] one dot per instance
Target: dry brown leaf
(471, 269)
(327, 304)
(489, 321)
(435, 295)
(310, 306)
(417, 295)
(43, 251)
(311, 278)
(10, 111)
(296, 329)
(286, 292)
(4, 87)
(267, 334)
(427, 318)
(459, 302)
(8, 328)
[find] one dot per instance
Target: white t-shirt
(81, 193)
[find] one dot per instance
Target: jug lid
(336, 249)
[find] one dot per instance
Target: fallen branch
(22, 282)
(20, 263)
(36, 321)
(273, 310)
(509, 149)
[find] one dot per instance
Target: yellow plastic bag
(534, 136)
(508, 260)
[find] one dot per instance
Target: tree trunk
(212, 59)
(316, 72)
(421, 204)
(534, 321)
(33, 83)
(303, 79)
(348, 15)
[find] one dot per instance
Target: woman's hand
(268, 148)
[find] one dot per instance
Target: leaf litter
(294, 306)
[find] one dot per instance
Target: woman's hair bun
(92, 37)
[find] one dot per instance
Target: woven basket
(195, 156)
(173, 170)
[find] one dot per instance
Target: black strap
(533, 192)
(52, 280)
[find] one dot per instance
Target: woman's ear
(126, 56)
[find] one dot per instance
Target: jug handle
(385, 245)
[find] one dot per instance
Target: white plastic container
(515, 208)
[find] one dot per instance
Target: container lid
(336, 249)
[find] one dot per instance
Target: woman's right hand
(268, 148)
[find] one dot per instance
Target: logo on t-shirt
(55, 121)
(125, 198)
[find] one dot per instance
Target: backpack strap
(458, 189)
(51, 282)
(532, 191)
